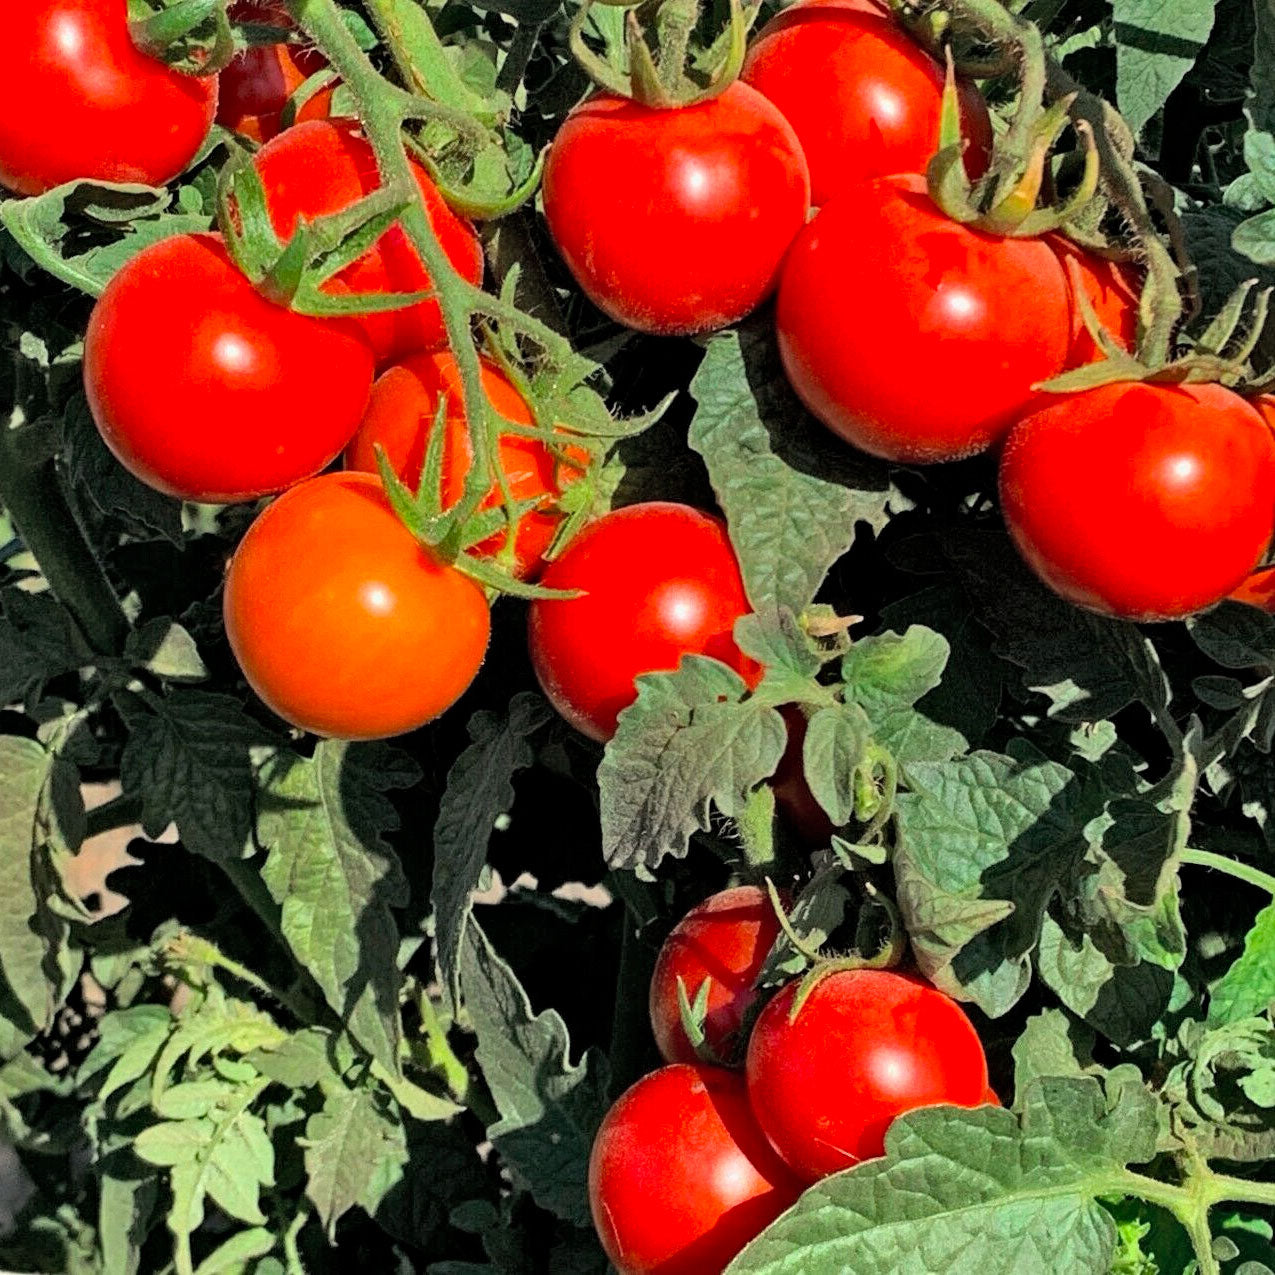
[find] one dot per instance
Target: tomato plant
(657, 581)
(324, 166)
(862, 97)
(206, 390)
(676, 221)
(680, 1178)
(341, 622)
(1186, 492)
(827, 1078)
(721, 942)
(400, 416)
(937, 354)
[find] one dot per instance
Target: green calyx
(191, 36)
(669, 75)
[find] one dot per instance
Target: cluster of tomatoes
(696, 1158)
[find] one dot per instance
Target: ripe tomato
(79, 99)
(867, 1046)
(342, 623)
(680, 1177)
(257, 84)
(792, 793)
(725, 939)
(399, 415)
(1146, 502)
(863, 98)
(324, 166)
(1258, 590)
(206, 390)
(908, 334)
(660, 581)
(676, 221)
(1112, 289)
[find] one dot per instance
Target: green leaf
(126, 1210)
(188, 759)
(549, 1108)
(1052, 1044)
(1156, 45)
(886, 675)
(836, 745)
(46, 225)
(323, 821)
(479, 790)
(791, 495)
(689, 742)
(236, 1252)
(960, 1191)
(354, 1149)
(164, 648)
(1248, 987)
(37, 643)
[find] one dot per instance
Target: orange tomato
(342, 623)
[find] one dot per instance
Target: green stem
(1241, 871)
(441, 1059)
(31, 492)
(119, 812)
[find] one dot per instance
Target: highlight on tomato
(658, 581)
(342, 623)
(400, 415)
(209, 392)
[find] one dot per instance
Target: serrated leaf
(1248, 987)
(164, 648)
(1156, 45)
(549, 1108)
(792, 497)
(688, 743)
(351, 1146)
(37, 643)
(479, 790)
(1052, 1044)
(960, 1191)
(188, 758)
(126, 1209)
(836, 745)
(329, 867)
(240, 1249)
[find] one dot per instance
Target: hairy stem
(1232, 867)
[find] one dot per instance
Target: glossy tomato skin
(908, 334)
(324, 166)
(867, 1046)
(209, 392)
(400, 415)
(256, 85)
(863, 97)
(659, 581)
(725, 939)
(1147, 502)
(78, 99)
(341, 622)
(680, 1177)
(676, 221)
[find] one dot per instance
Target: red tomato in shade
(792, 793)
(324, 166)
(912, 336)
(725, 939)
(79, 99)
(676, 221)
(863, 97)
(1258, 590)
(867, 1046)
(256, 85)
(400, 414)
(342, 623)
(680, 1177)
(659, 581)
(209, 392)
(1146, 502)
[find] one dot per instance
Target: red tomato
(78, 99)
(206, 390)
(342, 623)
(676, 221)
(1113, 290)
(863, 98)
(660, 581)
(867, 1046)
(257, 84)
(908, 334)
(991, 1098)
(680, 1178)
(1258, 590)
(725, 940)
(792, 794)
(323, 167)
(1147, 502)
(399, 416)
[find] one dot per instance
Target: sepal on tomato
(191, 36)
